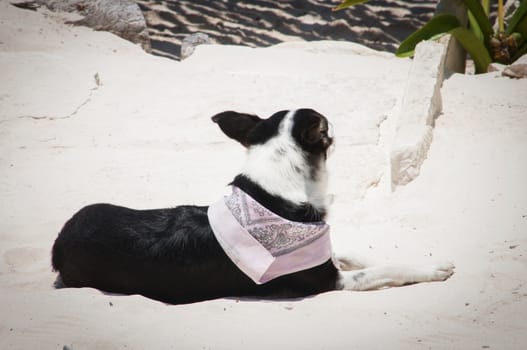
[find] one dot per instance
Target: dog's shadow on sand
(59, 284)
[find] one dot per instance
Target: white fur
(282, 155)
(391, 276)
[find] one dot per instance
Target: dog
(194, 253)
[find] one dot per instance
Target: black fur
(172, 255)
(310, 130)
(249, 129)
(237, 125)
(295, 212)
(266, 129)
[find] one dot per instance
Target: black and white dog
(174, 255)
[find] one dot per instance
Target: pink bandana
(262, 244)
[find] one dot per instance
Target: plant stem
(501, 27)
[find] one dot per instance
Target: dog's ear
(237, 126)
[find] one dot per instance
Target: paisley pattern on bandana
(278, 235)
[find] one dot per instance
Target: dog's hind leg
(392, 276)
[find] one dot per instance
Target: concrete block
(421, 102)
(420, 106)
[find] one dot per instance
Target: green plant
(483, 44)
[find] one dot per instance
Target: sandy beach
(88, 117)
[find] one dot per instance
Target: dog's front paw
(442, 271)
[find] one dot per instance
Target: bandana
(262, 244)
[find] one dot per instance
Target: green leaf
(486, 6)
(474, 26)
(348, 3)
(474, 6)
(517, 20)
(474, 47)
(521, 27)
(437, 25)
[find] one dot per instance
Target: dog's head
(286, 152)
(308, 128)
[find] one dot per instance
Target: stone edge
(421, 104)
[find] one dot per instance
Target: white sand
(144, 139)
